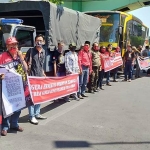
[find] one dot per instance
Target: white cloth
(71, 62)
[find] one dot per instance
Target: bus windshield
(109, 28)
(4, 34)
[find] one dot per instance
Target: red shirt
(5, 58)
(103, 56)
(85, 58)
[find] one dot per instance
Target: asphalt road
(117, 118)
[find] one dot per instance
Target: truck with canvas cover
(57, 23)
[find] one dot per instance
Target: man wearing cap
(96, 63)
(12, 58)
(71, 63)
(129, 59)
(85, 66)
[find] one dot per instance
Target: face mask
(130, 50)
(86, 48)
(13, 51)
(103, 50)
(39, 44)
(117, 50)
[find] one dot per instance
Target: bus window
(137, 33)
(109, 28)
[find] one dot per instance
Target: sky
(143, 14)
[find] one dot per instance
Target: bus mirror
(120, 29)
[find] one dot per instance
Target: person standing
(108, 52)
(71, 64)
(116, 69)
(59, 60)
(129, 59)
(59, 64)
(96, 63)
(137, 53)
(85, 65)
(12, 58)
(35, 58)
(101, 69)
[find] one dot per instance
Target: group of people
(88, 63)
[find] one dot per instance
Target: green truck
(41, 17)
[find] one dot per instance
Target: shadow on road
(51, 106)
(85, 144)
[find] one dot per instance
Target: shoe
(40, 117)
(115, 81)
(129, 80)
(80, 97)
(4, 132)
(83, 95)
(76, 98)
(56, 101)
(67, 99)
(33, 121)
(17, 129)
(124, 80)
(102, 88)
(92, 92)
(96, 90)
(108, 84)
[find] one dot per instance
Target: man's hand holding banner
(113, 62)
(45, 89)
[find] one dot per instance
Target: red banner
(45, 89)
(112, 62)
(144, 63)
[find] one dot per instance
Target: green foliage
(137, 40)
(57, 2)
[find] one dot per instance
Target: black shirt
(38, 59)
(60, 61)
(129, 56)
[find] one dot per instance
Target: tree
(58, 2)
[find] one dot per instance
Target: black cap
(87, 42)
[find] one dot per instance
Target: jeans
(115, 73)
(34, 110)
(128, 70)
(107, 77)
(83, 79)
(11, 122)
(61, 74)
(100, 79)
(137, 72)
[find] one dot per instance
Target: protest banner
(45, 89)
(17, 66)
(0, 103)
(12, 92)
(144, 63)
(111, 63)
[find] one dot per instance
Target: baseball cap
(11, 40)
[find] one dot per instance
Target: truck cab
(14, 28)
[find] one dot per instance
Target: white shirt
(71, 62)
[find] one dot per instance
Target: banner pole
(1, 78)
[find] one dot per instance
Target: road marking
(44, 122)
